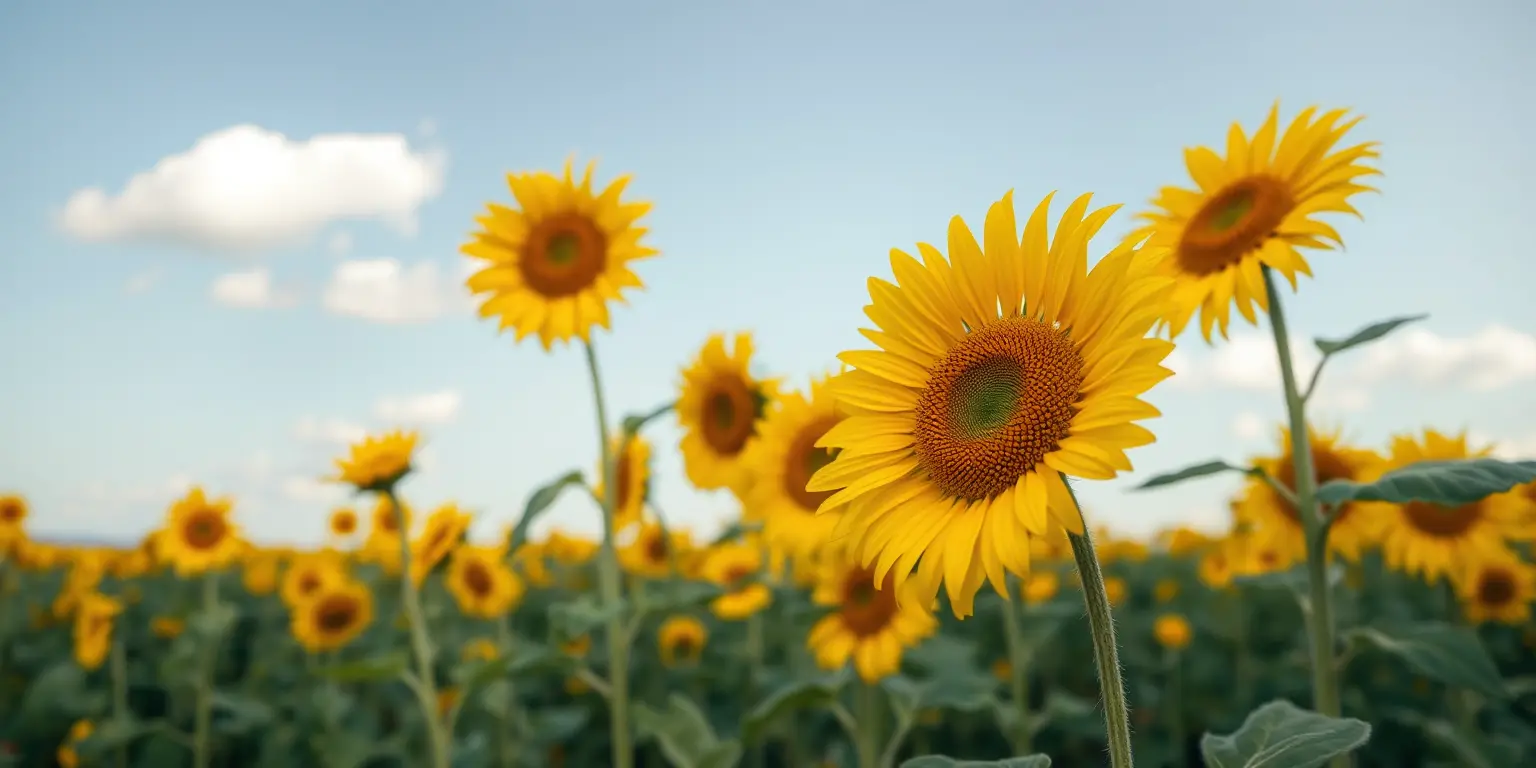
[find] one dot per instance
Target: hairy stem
(1101, 624)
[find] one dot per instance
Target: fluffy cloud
(328, 431)
(1250, 426)
(430, 408)
(339, 244)
(251, 289)
(386, 291)
(246, 187)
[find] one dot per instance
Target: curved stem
(1325, 684)
(608, 582)
(1101, 624)
(421, 643)
(1018, 661)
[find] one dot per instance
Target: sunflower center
(867, 611)
(656, 548)
(1443, 522)
(805, 459)
(730, 410)
(563, 255)
(477, 578)
(995, 405)
(1496, 587)
(1233, 222)
(736, 574)
(625, 475)
(1328, 466)
(343, 524)
(336, 614)
(308, 583)
(10, 511)
(684, 647)
(205, 530)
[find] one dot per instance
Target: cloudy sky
(230, 230)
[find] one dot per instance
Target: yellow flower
(1258, 555)
(94, 619)
(781, 462)
(309, 575)
(444, 530)
(719, 409)
(577, 647)
(343, 522)
(1166, 590)
(1276, 520)
(871, 626)
(567, 549)
(83, 578)
(1497, 588)
(166, 627)
(377, 462)
(198, 536)
(13, 518)
(1183, 541)
(681, 639)
(962, 426)
(1172, 631)
(732, 566)
(634, 457)
(446, 698)
(1217, 566)
(80, 731)
(334, 617)
(481, 583)
(259, 574)
(1253, 209)
(557, 260)
(1430, 540)
(480, 649)
(650, 554)
(1041, 586)
(1116, 590)
(1002, 669)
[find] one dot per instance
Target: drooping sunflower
(95, 616)
(681, 640)
(653, 550)
(377, 462)
(1499, 588)
(334, 617)
(557, 259)
(1430, 540)
(443, 531)
(1276, 519)
(733, 565)
(343, 522)
(999, 370)
(1253, 208)
(199, 535)
(13, 518)
(782, 460)
(634, 472)
(481, 583)
(719, 408)
(310, 574)
(870, 626)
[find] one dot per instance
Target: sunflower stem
(1325, 683)
(1101, 624)
(421, 642)
(867, 720)
(1018, 662)
(202, 706)
(1173, 708)
(505, 756)
(608, 581)
(119, 662)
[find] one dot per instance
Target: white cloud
(385, 291)
(1510, 448)
(332, 431)
(142, 282)
(312, 490)
(1250, 426)
(340, 244)
(430, 408)
(246, 187)
(250, 289)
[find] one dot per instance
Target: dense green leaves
(1448, 483)
(1365, 335)
(685, 735)
(1188, 473)
(938, 761)
(1450, 654)
(540, 500)
(791, 697)
(385, 666)
(574, 618)
(1282, 735)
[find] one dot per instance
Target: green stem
(505, 756)
(421, 642)
(1101, 624)
(867, 719)
(202, 713)
(754, 663)
(119, 662)
(1242, 671)
(1018, 661)
(608, 582)
(1325, 683)
(1174, 704)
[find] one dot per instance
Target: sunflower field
(911, 581)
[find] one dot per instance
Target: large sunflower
(199, 535)
(634, 472)
(961, 427)
(1252, 209)
(557, 259)
(1432, 540)
(481, 583)
(1275, 519)
(377, 462)
(1500, 588)
(870, 626)
(719, 408)
(781, 462)
(334, 617)
(310, 574)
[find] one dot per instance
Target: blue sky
(787, 147)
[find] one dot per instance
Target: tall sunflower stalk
(202, 702)
(424, 683)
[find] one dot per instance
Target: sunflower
(1217, 565)
(1275, 519)
(13, 516)
(94, 618)
(259, 573)
(719, 408)
(1497, 589)
(481, 583)
(167, 627)
(198, 535)
(681, 639)
(443, 531)
(634, 457)
(1428, 539)
(382, 546)
(963, 425)
(334, 617)
(782, 460)
(559, 258)
(870, 626)
(651, 553)
(80, 731)
(377, 462)
(1253, 209)
(1041, 587)
(733, 566)
(1172, 631)
(309, 575)
(343, 522)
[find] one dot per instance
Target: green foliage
(1282, 735)
(791, 697)
(1448, 483)
(685, 735)
(937, 761)
(1206, 469)
(540, 500)
(1365, 335)
(1452, 655)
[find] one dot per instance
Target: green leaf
(556, 724)
(537, 503)
(791, 697)
(1295, 579)
(1472, 750)
(1188, 473)
(967, 693)
(113, 734)
(1449, 654)
(1042, 622)
(57, 692)
(684, 734)
(573, 618)
(1365, 335)
(633, 423)
(1447, 483)
(212, 623)
(387, 666)
(1283, 735)
(729, 533)
(237, 715)
(939, 761)
(680, 594)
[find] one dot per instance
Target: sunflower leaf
(940, 761)
(1447, 483)
(537, 503)
(792, 697)
(1365, 335)
(684, 735)
(635, 422)
(1450, 654)
(386, 666)
(1282, 735)
(573, 619)
(1188, 473)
